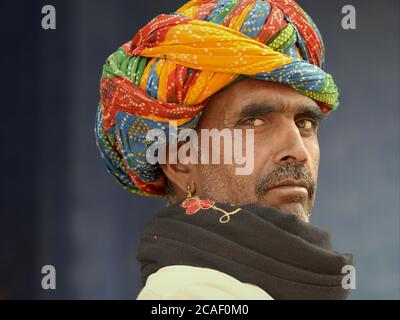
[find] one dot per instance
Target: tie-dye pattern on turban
(177, 61)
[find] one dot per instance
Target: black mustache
(285, 172)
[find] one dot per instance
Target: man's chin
(295, 208)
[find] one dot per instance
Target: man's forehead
(253, 97)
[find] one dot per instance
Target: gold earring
(189, 192)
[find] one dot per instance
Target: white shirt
(179, 282)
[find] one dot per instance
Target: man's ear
(177, 173)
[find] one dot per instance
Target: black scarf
(278, 252)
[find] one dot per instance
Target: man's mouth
(293, 188)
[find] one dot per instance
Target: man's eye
(252, 122)
(307, 124)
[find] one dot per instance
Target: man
(225, 65)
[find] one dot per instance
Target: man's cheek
(314, 157)
(316, 165)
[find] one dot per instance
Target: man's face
(286, 150)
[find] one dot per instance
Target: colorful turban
(177, 61)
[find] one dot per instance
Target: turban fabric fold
(177, 61)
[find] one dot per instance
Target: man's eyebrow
(313, 112)
(257, 110)
(261, 109)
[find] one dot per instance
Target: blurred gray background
(59, 206)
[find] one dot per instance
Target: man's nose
(289, 146)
